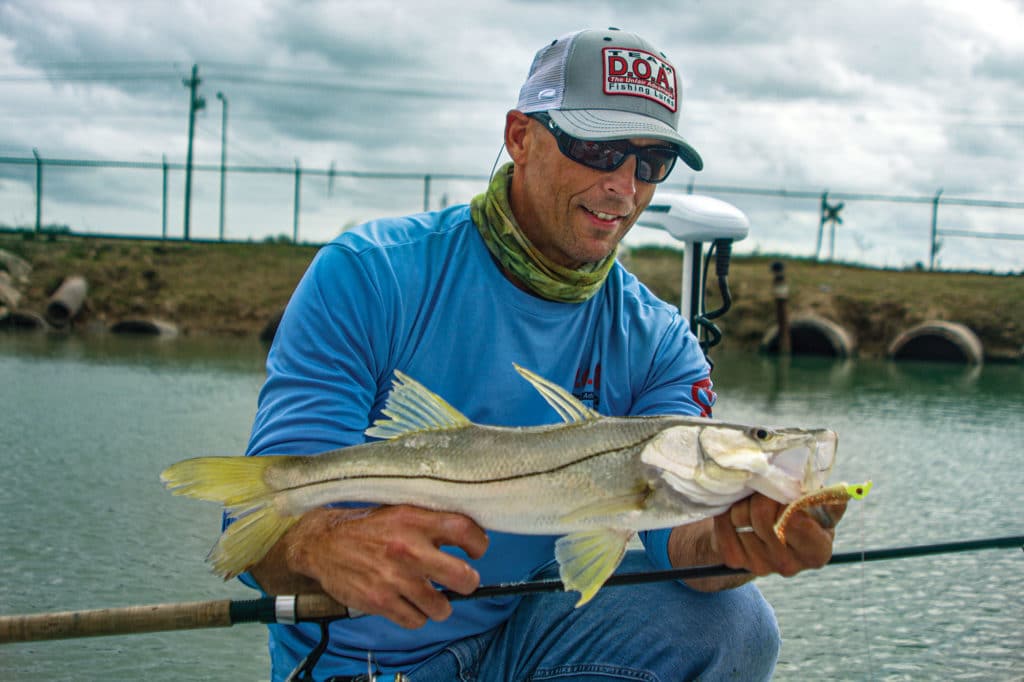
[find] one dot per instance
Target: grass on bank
(235, 288)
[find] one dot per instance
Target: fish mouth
(810, 458)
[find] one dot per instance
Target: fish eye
(761, 433)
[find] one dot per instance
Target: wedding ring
(744, 529)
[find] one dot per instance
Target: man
(525, 274)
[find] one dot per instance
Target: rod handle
(127, 620)
(320, 606)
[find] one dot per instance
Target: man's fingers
(809, 542)
(731, 548)
(398, 610)
(388, 561)
(425, 598)
(420, 557)
(746, 538)
(456, 530)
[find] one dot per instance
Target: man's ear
(517, 135)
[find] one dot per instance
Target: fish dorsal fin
(568, 407)
(411, 408)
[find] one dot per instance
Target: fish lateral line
(480, 481)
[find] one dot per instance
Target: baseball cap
(607, 85)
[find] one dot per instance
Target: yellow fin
(232, 481)
(615, 506)
(248, 539)
(412, 407)
(239, 483)
(568, 407)
(586, 559)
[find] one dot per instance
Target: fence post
(295, 214)
(39, 190)
(426, 193)
(223, 158)
(935, 223)
(163, 200)
(689, 186)
(821, 225)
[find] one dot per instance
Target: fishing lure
(833, 494)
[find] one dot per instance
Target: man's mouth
(601, 215)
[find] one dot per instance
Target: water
(86, 427)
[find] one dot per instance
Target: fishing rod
(132, 620)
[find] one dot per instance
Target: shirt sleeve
(679, 383)
(323, 366)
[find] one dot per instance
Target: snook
(596, 480)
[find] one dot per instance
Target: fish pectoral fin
(568, 407)
(613, 506)
(586, 559)
(412, 407)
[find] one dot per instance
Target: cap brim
(612, 124)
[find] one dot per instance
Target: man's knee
(739, 635)
(666, 631)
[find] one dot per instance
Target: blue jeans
(660, 632)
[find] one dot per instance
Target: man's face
(571, 213)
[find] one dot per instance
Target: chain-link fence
(312, 205)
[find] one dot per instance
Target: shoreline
(237, 288)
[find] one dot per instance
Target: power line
(115, 77)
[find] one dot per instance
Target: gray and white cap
(607, 85)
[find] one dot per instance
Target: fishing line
(861, 524)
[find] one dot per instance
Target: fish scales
(466, 470)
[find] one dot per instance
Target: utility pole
(196, 102)
(223, 155)
(936, 245)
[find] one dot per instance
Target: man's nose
(622, 180)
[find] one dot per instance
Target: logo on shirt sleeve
(703, 395)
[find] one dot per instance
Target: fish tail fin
(232, 481)
(240, 484)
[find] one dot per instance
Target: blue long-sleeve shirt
(422, 294)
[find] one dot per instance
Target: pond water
(88, 424)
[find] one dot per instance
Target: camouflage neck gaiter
(493, 217)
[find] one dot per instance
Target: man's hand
(380, 560)
(808, 545)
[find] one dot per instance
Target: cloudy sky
(900, 98)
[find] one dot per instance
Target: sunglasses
(653, 164)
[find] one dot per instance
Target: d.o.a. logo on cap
(636, 73)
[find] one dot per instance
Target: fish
(593, 480)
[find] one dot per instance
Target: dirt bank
(234, 289)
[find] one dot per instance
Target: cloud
(883, 96)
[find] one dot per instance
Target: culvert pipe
(67, 301)
(812, 335)
(23, 320)
(938, 341)
(145, 327)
